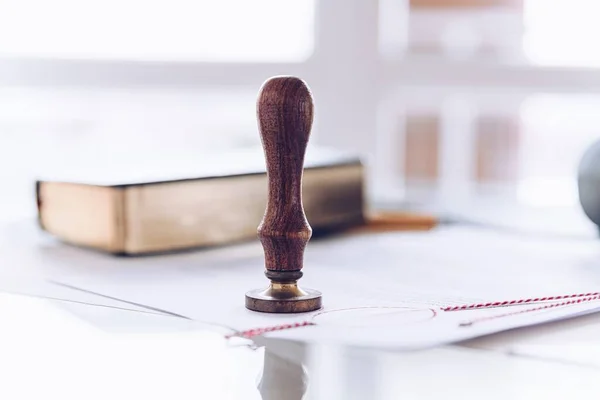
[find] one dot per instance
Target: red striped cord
(250, 333)
(553, 305)
(476, 306)
(581, 297)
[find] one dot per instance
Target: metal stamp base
(283, 298)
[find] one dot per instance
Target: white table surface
(53, 349)
(56, 349)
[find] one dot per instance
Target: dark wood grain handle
(285, 117)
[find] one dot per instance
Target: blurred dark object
(588, 183)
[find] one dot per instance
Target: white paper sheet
(35, 287)
(23, 271)
(448, 266)
(572, 342)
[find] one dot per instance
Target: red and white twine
(547, 306)
(576, 298)
(250, 333)
(517, 302)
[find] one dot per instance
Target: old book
(158, 206)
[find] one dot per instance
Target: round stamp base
(283, 302)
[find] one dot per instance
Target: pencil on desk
(386, 221)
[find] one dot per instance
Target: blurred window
(562, 32)
(163, 30)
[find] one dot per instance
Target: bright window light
(163, 30)
(562, 32)
(557, 130)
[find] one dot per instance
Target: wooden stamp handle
(285, 117)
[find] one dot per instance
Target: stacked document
(399, 290)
